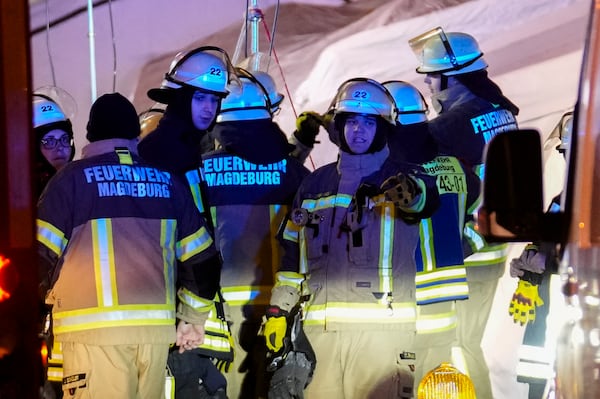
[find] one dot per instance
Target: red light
(8, 278)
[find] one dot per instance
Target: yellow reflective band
(193, 178)
(129, 315)
(167, 239)
(445, 291)
(387, 217)
(433, 323)
(236, 296)
(360, 313)
(276, 216)
(124, 156)
(55, 374)
(104, 263)
(291, 231)
(441, 274)
(535, 370)
(193, 300)
(476, 240)
(339, 200)
(215, 343)
(488, 256)
(194, 244)
(426, 244)
(51, 237)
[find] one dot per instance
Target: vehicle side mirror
(512, 208)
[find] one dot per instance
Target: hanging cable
(274, 28)
(114, 46)
(285, 85)
(50, 61)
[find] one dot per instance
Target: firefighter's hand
(401, 189)
(307, 127)
(189, 336)
(275, 328)
(530, 260)
(524, 302)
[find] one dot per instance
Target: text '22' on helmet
(451, 53)
(46, 111)
(248, 103)
(365, 96)
(410, 103)
(206, 68)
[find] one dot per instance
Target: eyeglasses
(51, 143)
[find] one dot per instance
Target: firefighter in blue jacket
(111, 229)
(248, 183)
(349, 252)
(441, 277)
(471, 110)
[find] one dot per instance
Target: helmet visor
(61, 97)
(418, 46)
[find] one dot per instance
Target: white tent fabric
(533, 47)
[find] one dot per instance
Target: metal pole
(92, 46)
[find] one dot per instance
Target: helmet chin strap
(443, 82)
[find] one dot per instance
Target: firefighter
(54, 133)
(248, 182)
(441, 277)
(530, 305)
(349, 262)
(471, 110)
(114, 309)
(192, 89)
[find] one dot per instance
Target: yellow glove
(307, 127)
(401, 189)
(524, 301)
(275, 328)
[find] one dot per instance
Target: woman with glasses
(54, 136)
(54, 149)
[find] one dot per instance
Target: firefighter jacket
(111, 229)
(465, 124)
(248, 186)
(441, 274)
(353, 251)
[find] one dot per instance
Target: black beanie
(112, 116)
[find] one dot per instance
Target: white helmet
(365, 96)
(206, 68)
(46, 111)
(52, 104)
(449, 53)
(410, 103)
(149, 119)
(248, 103)
(565, 130)
(267, 81)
